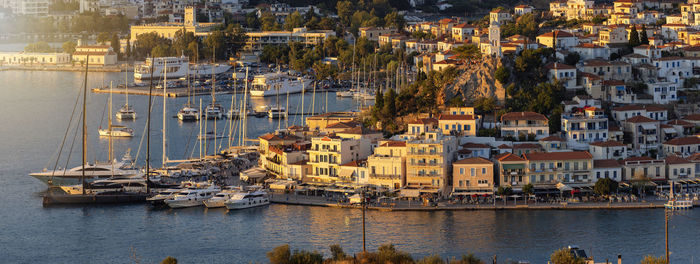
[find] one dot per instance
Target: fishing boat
(272, 84)
(247, 200)
(177, 67)
(276, 112)
(220, 198)
(116, 131)
(193, 196)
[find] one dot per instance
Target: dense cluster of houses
(442, 155)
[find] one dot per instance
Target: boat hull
(214, 203)
(115, 133)
(188, 117)
(105, 198)
(67, 179)
(183, 203)
(128, 116)
(244, 205)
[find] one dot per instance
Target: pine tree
(634, 37)
(644, 39)
(379, 99)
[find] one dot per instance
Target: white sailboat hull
(243, 204)
(288, 87)
(126, 116)
(115, 133)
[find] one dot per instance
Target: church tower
(495, 38)
(190, 16)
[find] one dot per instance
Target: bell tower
(190, 16)
(495, 38)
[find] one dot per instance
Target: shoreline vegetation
(388, 254)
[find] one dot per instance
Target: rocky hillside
(475, 80)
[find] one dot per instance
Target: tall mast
(245, 108)
(302, 102)
(82, 176)
(200, 130)
(165, 90)
(126, 83)
(230, 118)
(148, 131)
(286, 110)
(109, 126)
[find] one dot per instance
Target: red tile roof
(558, 33)
(695, 117)
(559, 66)
(673, 159)
(608, 144)
(558, 155)
(394, 143)
(552, 138)
(606, 163)
(510, 157)
(424, 121)
(523, 116)
(640, 119)
(683, 141)
(456, 117)
(477, 160)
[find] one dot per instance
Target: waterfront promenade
(404, 205)
(63, 67)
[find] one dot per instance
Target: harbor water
(36, 107)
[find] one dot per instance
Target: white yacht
(93, 172)
(193, 196)
(277, 112)
(131, 184)
(247, 200)
(345, 93)
(220, 198)
(272, 84)
(177, 68)
(188, 113)
(161, 196)
(116, 131)
(214, 111)
(126, 113)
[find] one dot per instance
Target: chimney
(619, 259)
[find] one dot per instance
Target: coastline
(72, 68)
(303, 200)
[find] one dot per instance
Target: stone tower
(495, 38)
(190, 16)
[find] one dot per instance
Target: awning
(513, 166)
(649, 126)
(346, 173)
(651, 138)
(564, 187)
(669, 130)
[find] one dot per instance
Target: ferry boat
(177, 68)
(247, 200)
(679, 205)
(272, 84)
(277, 112)
(100, 170)
(193, 196)
(116, 131)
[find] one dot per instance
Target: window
(483, 170)
(473, 172)
(597, 174)
(461, 170)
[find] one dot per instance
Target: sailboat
(188, 112)
(126, 112)
(213, 110)
(115, 130)
(57, 196)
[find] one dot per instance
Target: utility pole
(666, 216)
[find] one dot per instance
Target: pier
(172, 92)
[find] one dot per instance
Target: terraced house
(514, 124)
(570, 168)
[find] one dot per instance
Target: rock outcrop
(476, 79)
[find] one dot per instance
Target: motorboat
(192, 196)
(214, 111)
(177, 68)
(679, 204)
(345, 94)
(116, 131)
(188, 113)
(247, 200)
(159, 198)
(131, 184)
(126, 113)
(277, 112)
(96, 171)
(220, 198)
(272, 84)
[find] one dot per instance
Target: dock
(172, 92)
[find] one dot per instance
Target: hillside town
(626, 74)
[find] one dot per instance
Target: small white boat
(210, 135)
(344, 94)
(192, 196)
(247, 200)
(214, 111)
(234, 113)
(277, 112)
(271, 84)
(188, 113)
(679, 204)
(126, 113)
(220, 198)
(117, 131)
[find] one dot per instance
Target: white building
(663, 92)
(606, 168)
(34, 58)
(565, 74)
(591, 125)
(608, 150)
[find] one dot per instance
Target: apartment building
(588, 126)
(473, 176)
(373, 33)
(463, 125)
(515, 124)
(678, 168)
(429, 162)
(608, 150)
(387, 166)
(572, 167)
(643, 132)
(328, 153)
(606, 168)
(638, 168)
(512, 170)
(257, 40)
(683, 146)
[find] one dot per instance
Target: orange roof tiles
(558, 155)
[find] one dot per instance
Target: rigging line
(70, 152)
(70, 121)
(189, 140)
(103, 114)
(145, 126)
